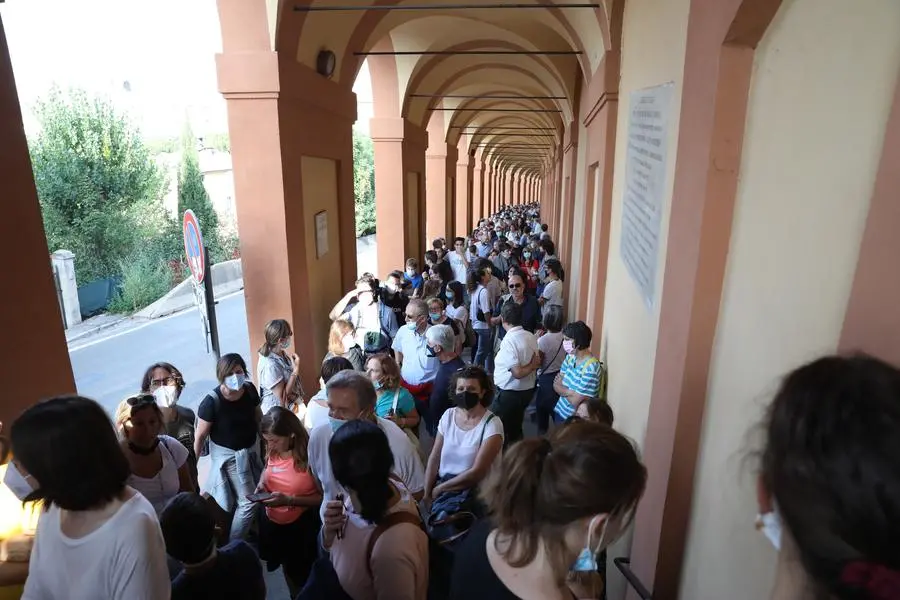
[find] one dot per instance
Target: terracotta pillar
(292, 147)
(399, 190)
(465, 170)
(478, 195)
(440, 171)
(491, 191)
(30, 320)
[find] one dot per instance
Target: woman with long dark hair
(166, 383)
(379, 507)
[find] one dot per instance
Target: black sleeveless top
(473, 578)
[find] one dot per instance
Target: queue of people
(409, 474)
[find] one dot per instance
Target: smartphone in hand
(259, 496)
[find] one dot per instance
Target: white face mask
(770, 526)
(17, 483)
(166, 396)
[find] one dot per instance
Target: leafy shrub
(144, 281)
(364, 183)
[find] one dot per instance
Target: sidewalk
(92, 326)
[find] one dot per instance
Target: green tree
(94, 177)
(192, 194)
(364, 183)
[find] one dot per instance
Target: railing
(623, 564)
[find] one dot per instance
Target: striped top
(583, 379)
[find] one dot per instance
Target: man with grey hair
(351, 396)
(418, 367)
(442, 342)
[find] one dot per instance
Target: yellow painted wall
(654, 38)
(822, 84)
(581, 248)
(320, 193)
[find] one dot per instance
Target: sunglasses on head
(141, 399)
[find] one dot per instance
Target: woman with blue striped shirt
(581, 372)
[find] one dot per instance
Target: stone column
(400, 189)
(63, 263)
(292, 147)
(440, 170)
(30, 320)
(465, 186)
(478, 195)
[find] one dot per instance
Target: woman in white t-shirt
(159, 467)
(469, 439)
(98, 538)
(552, 295)
(456, 305)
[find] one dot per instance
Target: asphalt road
(110, 368)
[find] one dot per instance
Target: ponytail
(512, 497)
(544, 486)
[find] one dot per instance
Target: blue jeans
(484, 356)
(245, 511)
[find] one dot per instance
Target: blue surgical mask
(335, 423)
(412, 326)
(378, 385)
(286, 344)
(435, 316)
(235, 382)
(587, 560)
(449, 295)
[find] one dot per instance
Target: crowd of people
(409, 475)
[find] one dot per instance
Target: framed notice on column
(321, 233)
(645, 184)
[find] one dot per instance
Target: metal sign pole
(210, 305)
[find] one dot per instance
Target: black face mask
(430, 352)
(467, 400)
(144, 451)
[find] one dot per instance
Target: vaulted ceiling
(503, 76)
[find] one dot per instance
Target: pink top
(399, 558)
(281, 476)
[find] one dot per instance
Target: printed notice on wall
(645, 180)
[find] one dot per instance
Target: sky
(164, 50)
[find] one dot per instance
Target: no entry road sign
(193, 246)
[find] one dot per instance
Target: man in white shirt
(418, 365)
(514, 372)
(458, 263)
(351, 395)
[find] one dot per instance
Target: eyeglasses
(515, 286)
(412, 317)
(140, 400)
(158, 383)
